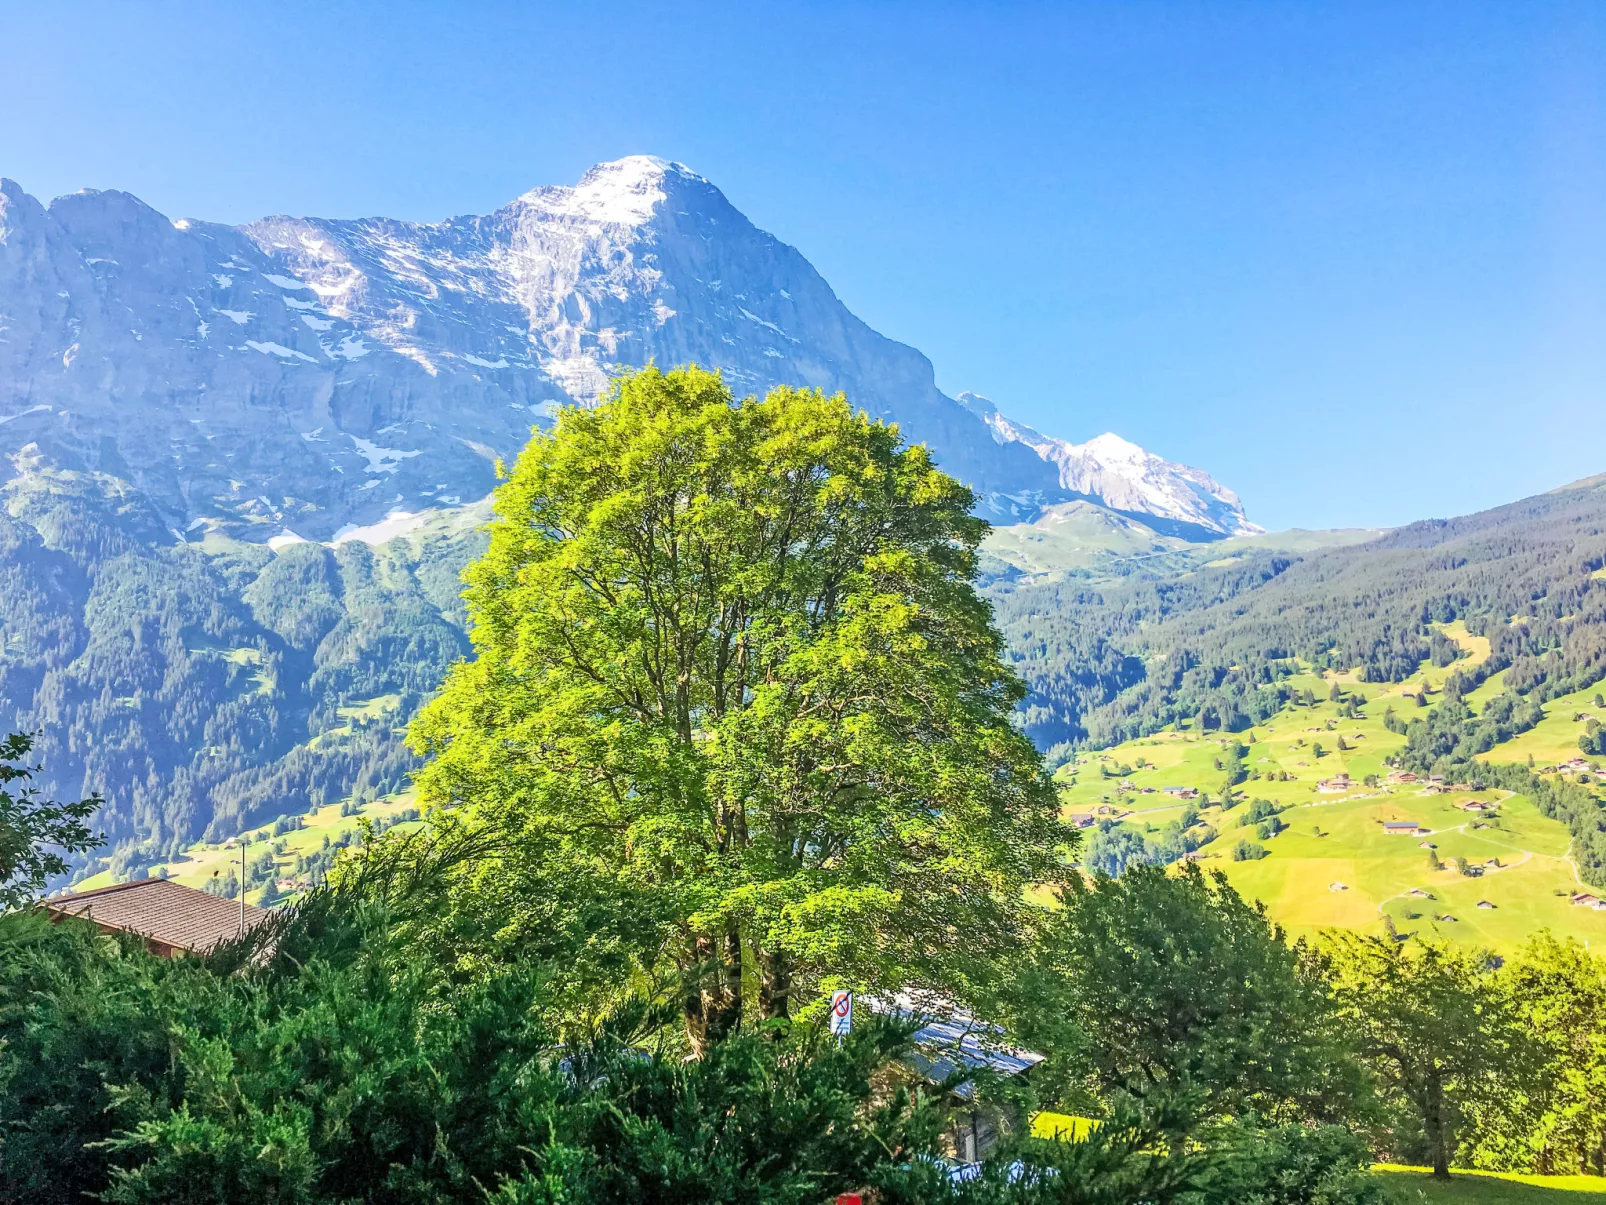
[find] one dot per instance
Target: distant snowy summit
(1124, 477)
(306, 375)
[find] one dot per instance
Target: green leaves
(730, 658)
(35, 834)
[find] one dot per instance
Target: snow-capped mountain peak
(623, 192)
(1125, 477)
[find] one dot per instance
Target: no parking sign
(841, 1012)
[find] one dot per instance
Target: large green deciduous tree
(1552, 1118)
(731, 663)
(1430, 1023)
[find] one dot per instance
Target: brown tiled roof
(162, 911)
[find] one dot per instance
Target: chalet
(171, 919)
(1418, 893)
(1401, 776)
(1402, 828)
(1447, 917)
(1477, 805)
(1335, 785)
(1081, 819)
(1582, 899)
(1577, 766)
(1485, 904)
(1182, 792)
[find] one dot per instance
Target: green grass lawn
(1335, 866)
(1414, 1186)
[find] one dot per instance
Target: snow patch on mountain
(1123, 476)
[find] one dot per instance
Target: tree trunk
(711, 990)
(774, 984)
(1434, 1125)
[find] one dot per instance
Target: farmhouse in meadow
(1402, 828)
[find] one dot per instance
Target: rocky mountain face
(1172, 498)
(302, 375)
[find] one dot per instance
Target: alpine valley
(244, 467)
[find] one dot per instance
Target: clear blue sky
(1350, 258)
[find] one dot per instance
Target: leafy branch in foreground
(37, 835)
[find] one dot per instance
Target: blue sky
(1349, 258)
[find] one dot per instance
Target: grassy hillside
(1555, 738)
(1211, 633)
(1334, 864)
(298, 855)
(1089, 542)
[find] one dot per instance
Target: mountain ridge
(303, 375)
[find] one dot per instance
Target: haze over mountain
(299, 377)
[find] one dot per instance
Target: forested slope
(1106, 662)
(203, 685)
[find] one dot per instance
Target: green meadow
(1555, 738)
(1335, 865)
(1414, 1186)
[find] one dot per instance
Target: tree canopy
(731, 662)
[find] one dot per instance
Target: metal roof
(951, 1039)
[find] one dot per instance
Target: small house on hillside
(1485, 904)
(1182, 792)
(1397, 777)
(1402, 828)
(1583, 899)
(172, 919)
(1334, 785)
